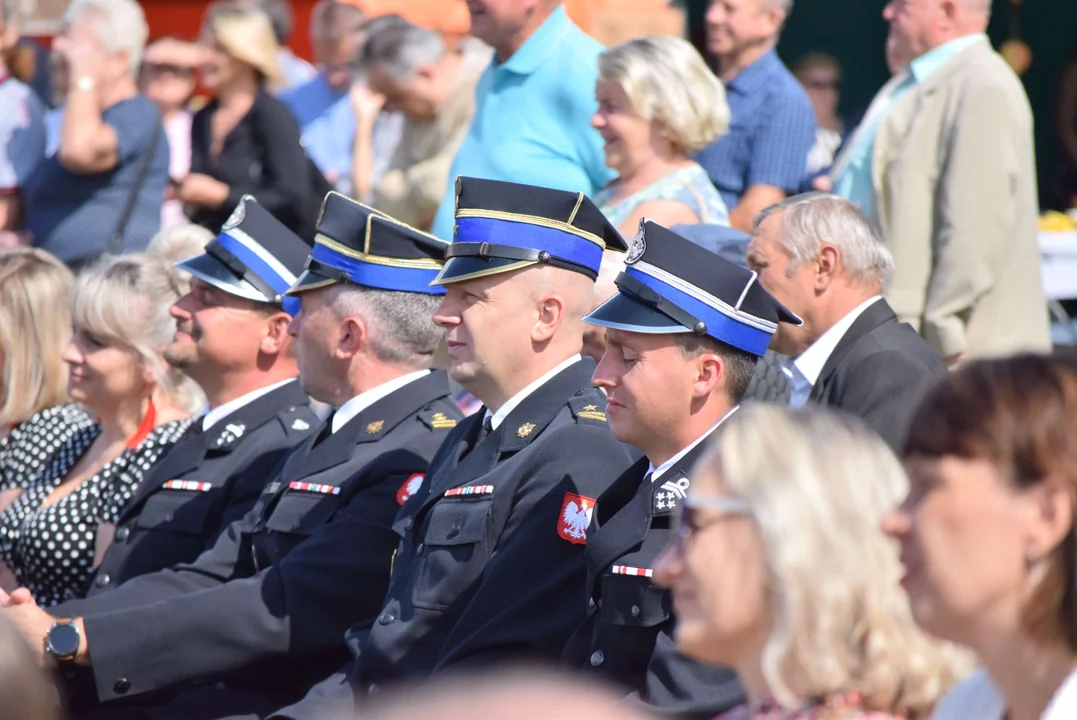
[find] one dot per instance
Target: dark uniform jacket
(526, 491)
(878, 372)
(205, 482)
(266, 608)
(627, 636)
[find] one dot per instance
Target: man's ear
(551, 313)
(353, 338)
(276, 335)
(827, 265)
(711, 370)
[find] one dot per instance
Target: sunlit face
(215, 331)
(416, 97)
(495, 22)
(912, 27)
(628, 136)
(488, 323)
(219, 69)
(963, 531)
(104, 374)
(735, 25)
(335, 58)
(167, 86)
(795, 289)
(719, 579)
(649, 384)
(317, 332)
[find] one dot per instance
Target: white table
(1058, 264)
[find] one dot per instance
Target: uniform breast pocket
(302, 513)
(184, 512)
(452, 552)
(634, 602)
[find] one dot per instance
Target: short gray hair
(813, 219)
(785, 5)
(399, 48)
(120, 26)
(401, 324)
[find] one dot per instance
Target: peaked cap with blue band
(503, 226)
(673, 285)
(255, 257)
(358, 244)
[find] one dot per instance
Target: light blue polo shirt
(854, 184)
(532, 119)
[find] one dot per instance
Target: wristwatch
(62, 640)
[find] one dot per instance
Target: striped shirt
(771, 133)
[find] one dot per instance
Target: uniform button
(578, 393)
(122, 533)
(373, 689)
(590, 602)
(296, 524)
(169, 517)
(102, 580)
(635, 611)
(454, 530)
(122, 686)
(419, 550)
(387, 618)
(409, 525)
(597, 658)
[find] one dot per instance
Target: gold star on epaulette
(375, 427)
(440, 421)
(590, 408)
(524, 430)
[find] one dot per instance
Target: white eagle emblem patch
(575, 517)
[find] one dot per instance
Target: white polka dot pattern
(51, 549)
(30, 445)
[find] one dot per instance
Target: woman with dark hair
(987, 532)
(245, 141)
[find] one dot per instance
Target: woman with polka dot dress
(130, 407)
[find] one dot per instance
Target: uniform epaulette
(589, 408)
(297, 420)
(436, 420)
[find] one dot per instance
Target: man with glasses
(683, 335)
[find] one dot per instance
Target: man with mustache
(232, 339)
(683, 335)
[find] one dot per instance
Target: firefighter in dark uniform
(232, 339)
(684, 333)
(519, 476)
(258, 618)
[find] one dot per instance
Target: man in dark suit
(232, 339)
(259, 617)
(490, 567)
(684, 332)
(819, 257)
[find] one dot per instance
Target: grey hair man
(820, 257)
(433, 86)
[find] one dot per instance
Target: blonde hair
(179, 243)
(126, 299)
(668, 83)
(35, 326)
(818, 485)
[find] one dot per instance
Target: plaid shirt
(771, 133)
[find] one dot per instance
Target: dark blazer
(627, 637)
(454, 602)
(223, 471)
(878, 372)
(264, 610)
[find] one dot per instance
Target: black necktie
(325, 432)
(487, 428)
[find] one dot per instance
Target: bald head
(919, 26)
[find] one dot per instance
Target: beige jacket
(414, 184)
(955, 186)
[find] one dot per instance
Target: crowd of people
(479, 356)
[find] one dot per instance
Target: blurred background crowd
(907, 161)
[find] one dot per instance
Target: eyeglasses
(688, 517)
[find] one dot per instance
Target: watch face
(63, 640)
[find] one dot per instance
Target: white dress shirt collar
(515, 400)
(803, 372)
(220, 412)
(657, 472)
(1063, 705)
(362, 401)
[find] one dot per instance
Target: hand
(202, 191)
(21, 610)
(14, 238)
(84, 58)
(954, 360)
(366, 104)
(822, 184)
(170, 51)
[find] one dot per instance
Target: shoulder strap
(115, 241)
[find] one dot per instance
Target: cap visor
(464, 267)
(623, 313)
(310, 280)
(210, 270)
(785, 316)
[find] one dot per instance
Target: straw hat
(247, 35)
